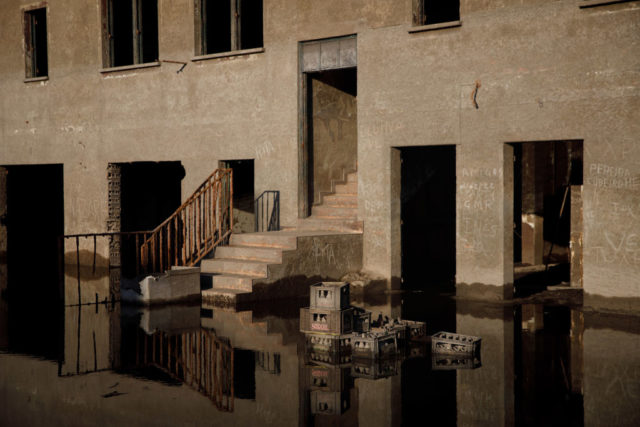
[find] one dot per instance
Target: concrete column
(576, 238)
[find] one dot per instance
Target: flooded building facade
(481, 135)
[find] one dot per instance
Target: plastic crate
(375, 368)
(329, 402)
(328, 378)
(416, 330)
(447, 363)
(334, 322)
(456, 344)
(361, 320)
(374, 345)
(327, 359)
(330, 295)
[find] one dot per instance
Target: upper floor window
(131, 32)
(228, 25)
(35, 40)
(427, 12)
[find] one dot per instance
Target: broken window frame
(36, 58)
(137, 36)
(235, 36)
(420, 16)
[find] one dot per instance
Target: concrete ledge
(129, 67)
(36, 79)
(228, 54)
(177, 284)
(433, 27)
(484, 292)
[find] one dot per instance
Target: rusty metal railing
(204, 221)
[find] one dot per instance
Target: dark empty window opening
(428, 217)
(35, 37)
(132, 32)
(427, 12)
(545, 174)
(229, 25)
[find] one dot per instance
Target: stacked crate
(329, 311)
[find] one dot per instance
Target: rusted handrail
(200, 224)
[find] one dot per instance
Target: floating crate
(450, 343)
(398, 329)
(335, 322)
(330, 295)
(375, 368)
(361, 320)
(447, 363)
(374, 345)
(328, 378)
(328, 343)
(329, 402)
(416, 330)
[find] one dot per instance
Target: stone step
(255, 269)
(226, 296)
(273, 255)
(347, 200)
(348, 188)
(352, 177)
(346, 212)
(264, 240)
(328, 224)
(233, 281)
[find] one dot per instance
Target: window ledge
(130, 67)
(36, 79)
(438, 26)
(228, 54)
(593, 3)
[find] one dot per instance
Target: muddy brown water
(107, 364)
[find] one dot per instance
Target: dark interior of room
(34, 221)
(428, 218)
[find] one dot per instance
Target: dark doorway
(428, 217)
(545, 174)
(33, 220)
(243, 193)
(331, 102)
(150, 193)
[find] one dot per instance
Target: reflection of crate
(445, 363)
(374, 345)
(327, 359)
(331, 295)
(328, 378)
(328, 343)
(329, 402)
(375, 368)
(361, 320)
(450, 343)
(326, 321)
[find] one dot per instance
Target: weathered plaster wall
(547, 70)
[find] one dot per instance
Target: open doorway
(31, 222)
(243, 194)
(332, 129)
(547, 179)
(142, 195)
(427, 196)
(328, 118)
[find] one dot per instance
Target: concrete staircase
(258, 258)
(338, 210)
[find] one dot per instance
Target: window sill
(593, 3)
(130, 67)
(36, 79)
(438, 26)
(228, 54)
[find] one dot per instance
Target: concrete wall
(547, 70)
